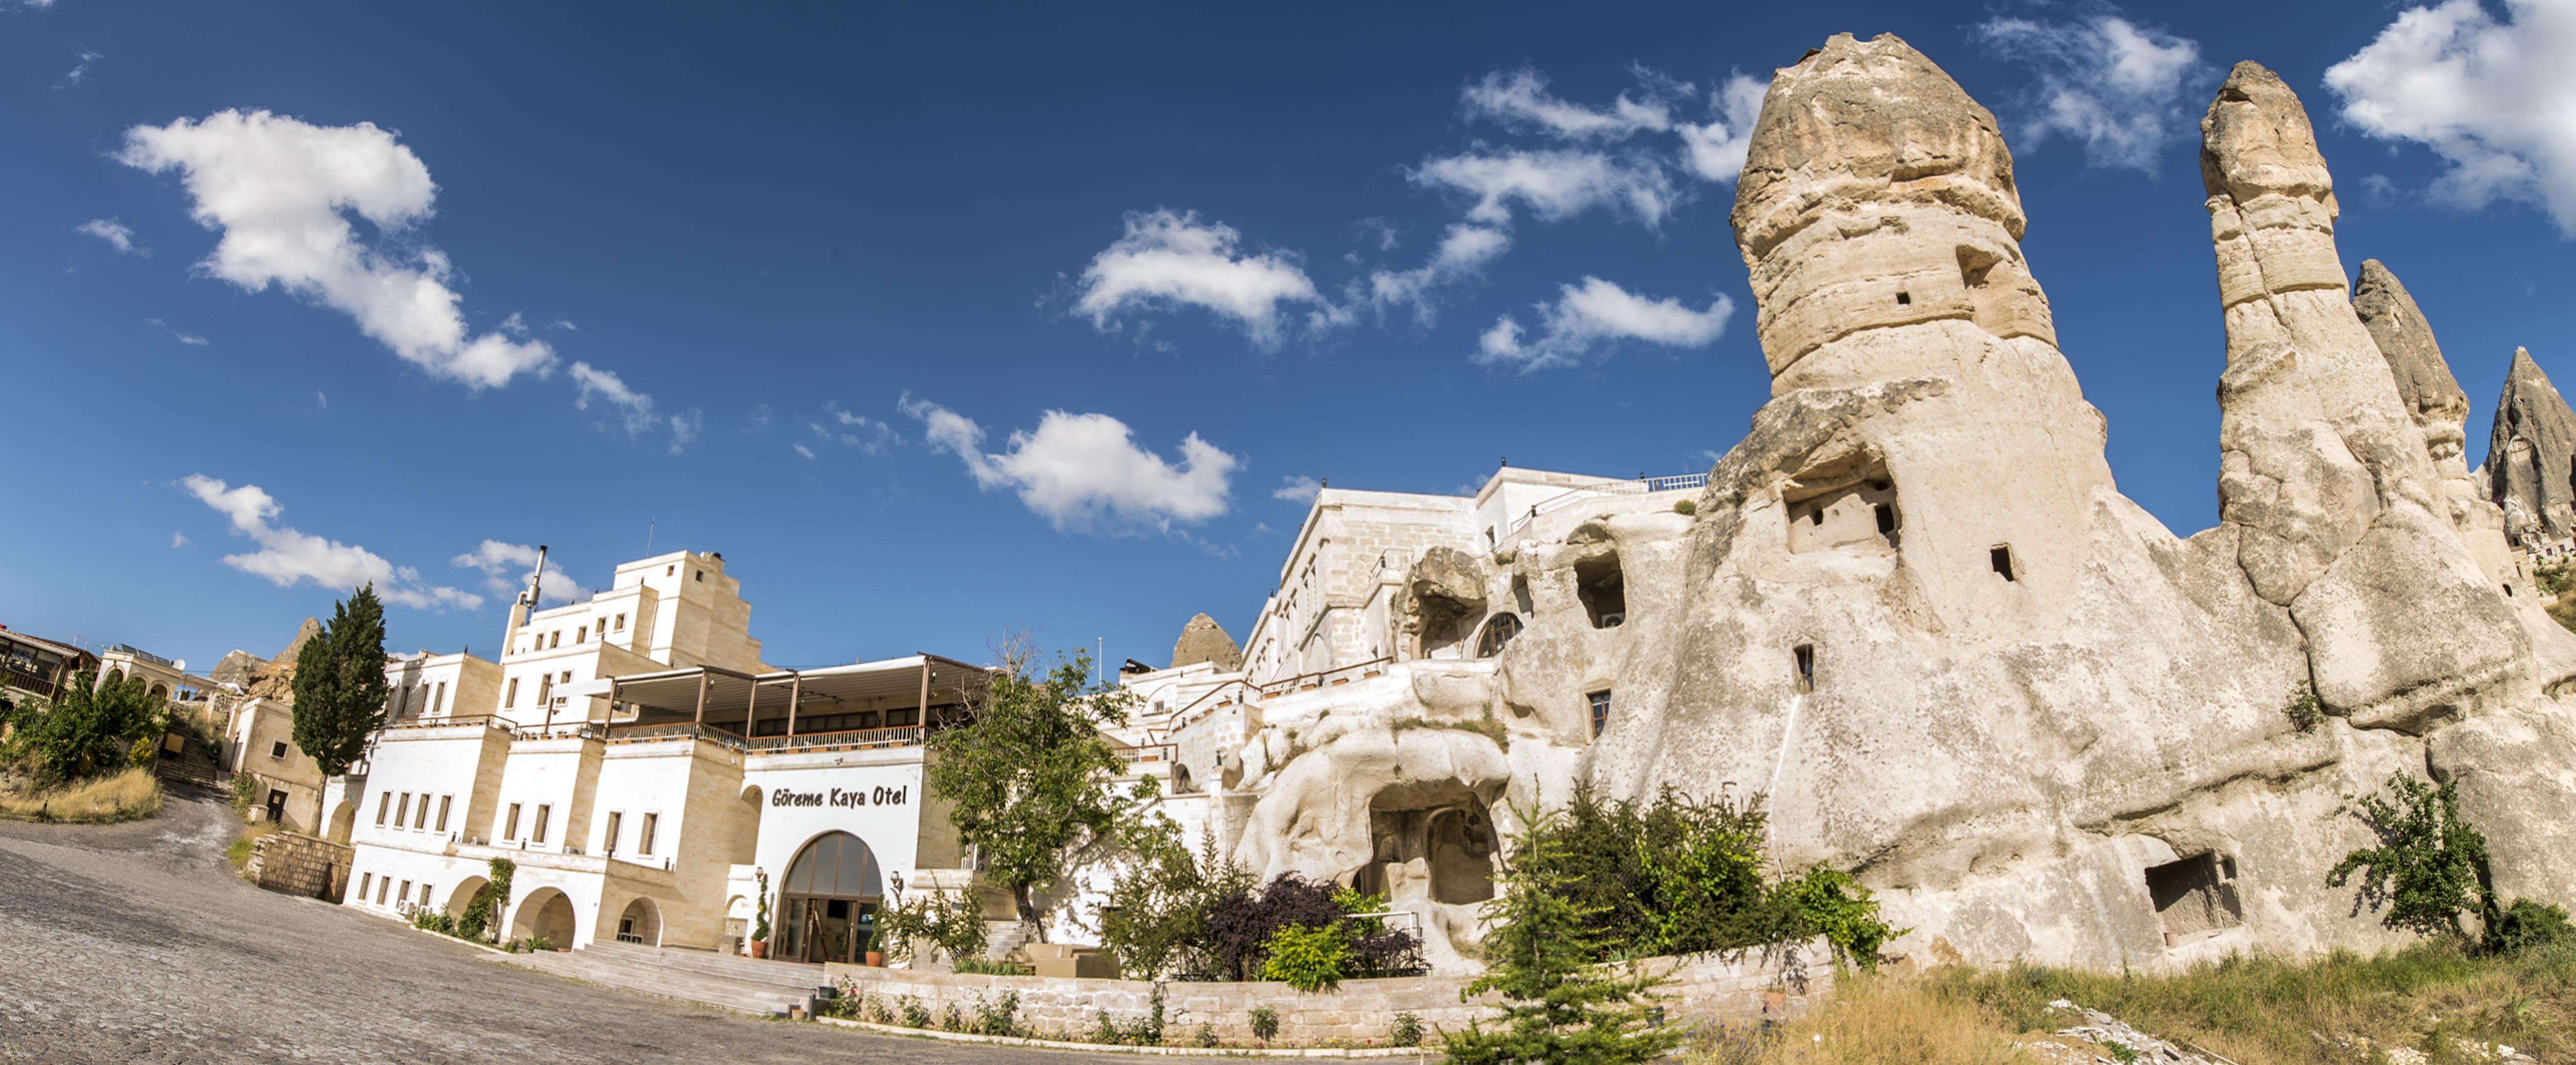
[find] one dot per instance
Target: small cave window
(1843, 506)
(1904, 299)
(1803, 658)
(1498, 632)
(2000, 557)
(1603, 589)
(1600, 701)
(2195, 895)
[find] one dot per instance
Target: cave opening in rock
(2195, 894)
(2001, 558)
(1603, 589)
(1429, 840)
(1805, 657)
(1846, 503)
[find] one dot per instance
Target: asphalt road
(136, 943)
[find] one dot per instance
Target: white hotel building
(638, 763)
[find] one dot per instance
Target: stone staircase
(766, 988)
(194, 764)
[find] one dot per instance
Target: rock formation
(1203, 640)
(271, 678)
(2531, 456)
(1914, 614)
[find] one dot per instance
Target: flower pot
(876, 958)
(760, 948)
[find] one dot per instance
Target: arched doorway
(344, 820)
(827, 903)
(640, 923)
(160, 691)
(546, 914)
(464, 896)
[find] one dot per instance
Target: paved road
(136, 943)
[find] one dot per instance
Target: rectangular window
(384, 805)
(424, 894)
(1600, 711)
(539, 834)
(567, 676)
(512, 699)
(406, 892)
(621, 622)
(439, 700)
(384, 887)
(277, 749)
(558, 640)
(580, 635)
(365, 881)
(644, 839)
(443, 800)
(421, 819)
(402, 810)
(608, 840)
(510, 830)
(700, 574)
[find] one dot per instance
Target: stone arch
(746, 830)
(640, 922)
(1497, 634)
(463, 896)
(160, 691)
(344, 820)
(547, 913)
(1459, 846)
(827, 900)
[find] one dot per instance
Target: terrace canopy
(895, 693)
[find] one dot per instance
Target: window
(512, 699)
(1804, 657)
(2000, 556)
(383, 888)
(406, 892)
(669, 570)
(538, 834)
(424, 893)
(700, 574)
(608, 839)
(277, 749)
(621, 622)
(402, 810)
(439, 700)
(1498, 632)
(365, 881)
(443, 802)
(1600, 711)
(558, 640)
(384, 805)
(510, 829)
(567, 676)
(581, 635)
(644, 839)
(421, 820)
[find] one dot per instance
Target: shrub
(1408, 1029)
(2553, 579)
(429, 920)
(985, 967)
(1828, 902)
(89, 730)
(2529, 924)
(141, 753)
(1104, 1030)
(2306, 712)
(2429, 864)
(878, 1013)
(1000, 1016)
(1157, 918)
(1207, 1035)
(1305, 957)
(948, 921)
(950, 1020)
(1674, 876)
(475, 923)
(1684, 507)
(1265, 1023)
(1244, 925)
(760, 918)
(915, 1015)
(245, 790)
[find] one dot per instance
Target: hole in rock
(1904, 299)
(2196, 894)
(1429, 839)
(1851, 503)
(1805, 656)
(2000, 556)
(1603, 589)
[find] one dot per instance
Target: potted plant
(873, 955)
(760, 920)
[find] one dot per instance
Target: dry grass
(2432, 997)
(127, 796)
(238, 851)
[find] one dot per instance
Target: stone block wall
(1704, 989)
(298, 864)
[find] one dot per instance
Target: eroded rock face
(1203, 640)
(1913, 612)
(2531, 456)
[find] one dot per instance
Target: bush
(1684, 507)
(429, 920)
(878, 1013)
(986, 967)
(2528, 925)
(2429, 866)
(915, 1015)
(1828, 902)
(2553, 579)
(1407, 1031)
(946, 921)
(479, 911)
(950, 1020)
(1000, 1016)
(1156, 920)
(245, 794)
(1265, 1023)
(1675, 876)
(2306, 712)
(1207, 1035)
(88, 731)
(1305, 957)
(1244, 925)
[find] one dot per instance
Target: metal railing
(1150, 752)
(686, 730)
(140, 653)
(858, 739)
(1335, 675)
(23, 680)
(485, 720)
(569, 730)
(1640, 486)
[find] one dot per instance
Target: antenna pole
(649, 523)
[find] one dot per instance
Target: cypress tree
(1540, 941)
(340, 688)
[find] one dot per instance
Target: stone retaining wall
(298, 864)
(1705, 989)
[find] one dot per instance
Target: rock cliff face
(1203, 640)
(2531, 456)
(1913, 612)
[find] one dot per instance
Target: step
(785, 974)
(714, 991)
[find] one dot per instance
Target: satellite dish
(180, 664)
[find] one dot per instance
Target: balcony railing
(855, 739)
(1150, 753)
(1638, 487)
(685, 730)
(569, 730)
(30, 682)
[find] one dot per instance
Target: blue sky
(941, 321)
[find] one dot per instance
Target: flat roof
(729, 692)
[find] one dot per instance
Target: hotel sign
(878, 796)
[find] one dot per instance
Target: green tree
(1156, 917)
(340, 688)
(2429, 865)
(1539, 944)
(90, 729)
(1028, 776)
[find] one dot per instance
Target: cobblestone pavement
(136, 943)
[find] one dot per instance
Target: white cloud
(1462, 254)
(179, 540)
(280, 191)
(1520, 100)
(1084, 472)
(506, 568)
(803, 450)
(1553, 184)
(1598, 312)
(79, 71)
(286, 556)
(2108, 83)
(759, 420)
(2495, 99)
(564, 324)
(321, 400)
(868, 435)
(1170, 259)
(189, 339)
(1297, 489)
(1715, 149)
(633, 409)
(117, 234)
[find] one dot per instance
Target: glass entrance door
(827, 904)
